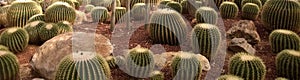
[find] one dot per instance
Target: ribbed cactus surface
(139, 11)
(229, 77)
(9, 66)
(281, 39)
(120, 12)
(288, 64)
(257, 2)
(16, 39)
(250, 11)
(3, 48)
(33, 31)
(229, 10)
(99, 14)
(64, 27)
(48, 31)
(175, 6)
(37, 17)
(206, 15)
(60, 11)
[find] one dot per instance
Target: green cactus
(281, 78)
(287, 64)
(219, 2)
(83, 67)
(206, 39)
(3, 15)
(175, 5)
(60, 11)
(257, 2)
(9, 66)
(139, 62)
(120, 11)
(250, 11)
(88, 8)
(139, 11)
(206, 15)
(157, 75)
(20, 11)
(64, 27)
(99, 14)
(132, 2)
(48, 31)
(184, 4)
(186, 66)
(167, 27)
(229, 77)
(16, 39)
(3, 48)
(37, 17)
(281, 14)
(247, 66)
(281, 39)
(229, 10)
(33, 30)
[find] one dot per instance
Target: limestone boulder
(240, 45)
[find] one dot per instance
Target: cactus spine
(206, 15)
(99, 14)
(186, 66)
(20, 11)
(120, 11)
(157, 75)
(9, 66)
(247, 66)
(250, 11)
(284, 39)
(64, 27)
(206, 39)
(257, 2)
(48, 31)
(175, 5)
(288, 64)
(139, 11)
(60, 11)
(37, 17)
(229, 77)
(33, 31)
(229, 10)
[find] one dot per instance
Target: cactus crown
(12, 30)
(140, 50)
(291, 52)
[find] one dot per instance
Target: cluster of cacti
(132, 2)
(139, 62)
(247, 66)
(99, 14)
(288, 64)
(16, 39)
(138, 11)
(3, 14)
(83, 67)
(64, 27)
(48, 31)
(33, 31)
(60, 11)
(37, 17)
(281, 14)
(3, 48)
(167, 27)
(206, 39)
(175, 6)
(120, 11)
(20, 11)
(229, 10)
(186, 66)
(250, 11)
(157, 75)
(206, 15)
(284, 39)
(229, 77)
(257, 2)
(9, 66)
(88, 8)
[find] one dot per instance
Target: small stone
(241, 45)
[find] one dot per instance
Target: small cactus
(175, 5)
(229, 77)
(88, 8)
(186, 66)
(284, 39)
(9, 66)
(206, 15)
(64, 27)
(3, 48)
(206, 39)
(48, 31)
(288, 64)
(37, 17)
(139, 11)
(247, 66)
(250, 11)
(33, 30)
(257, 2)
(16, 39)
(99, 14)
(120, 11)
(229, 10)
(60, 11)
(157, 75)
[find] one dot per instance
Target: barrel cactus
(88, 8)
(64, 27)
(20, 11)
(9, 66)
(16, 39)
(33, 31)
(120, 11)
(48, 31)
(250, 11)
(60, 11)
(229, 77)
(229, 10)
(175, 5)
(257, 2)
(247, 66)
(281, 14)
(157, 75)
(281, 39)
(288, 64)
(186, 66)
(37, 17)
(138, 11)
(3, 48)
(184, 4)
(206, 39)
(219, 2)
(139, 62)
(99, 14)
(206, 15)
(83, 67)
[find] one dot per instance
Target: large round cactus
(206, 39)
(288, 64)
(16, 39)
(139, 62)
(120, 11)
(33, 30)
(83, 66)
(64, 27)
(9, 66)
(206, 15)
(175, 5)
(139, 11)
(99, 14)
(37, 17)
(60, 11)
(20, 11)
(88, 8)
(186, 66)
(229, 77)
(257, 2)
(281, 14)
(48, 31)
(229, 10)
(247, 66)
(167, 27)
(284, 39)
(250, 11)
(157, 75)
